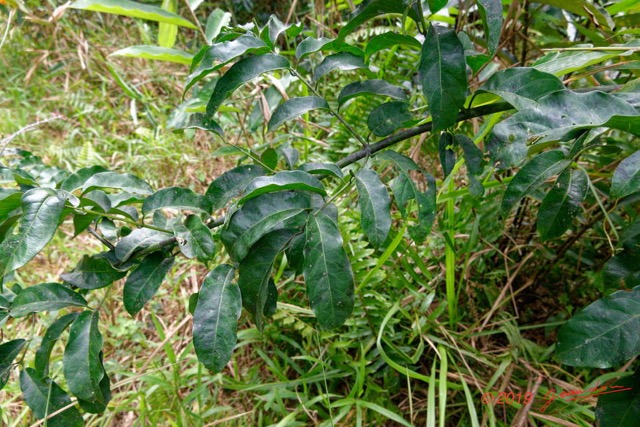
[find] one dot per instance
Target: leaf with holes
(215, 318)
(197, 241)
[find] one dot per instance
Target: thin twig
(5, 141)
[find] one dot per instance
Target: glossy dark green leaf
(343, 61)
(143, 283)
(621, 406)
(443, 76)
(44, 397)
(327, 272)
(222, 53)
(45, 297)
(96, 406)
(196, 240)
(174, 198)
(387, 40)
(311, 45)
(405, 189)
(623, 269)
(562, 204)
(231, 183)
(82, 367)
(283, 181)
(559, 115)
(370, 9)
(8, 352)
(202, 122)
(132, 9)
(604, 334)
(155, 53)
(322, 169)
(295, 253)
(371, 87)
(255, 271)
(54, 331)
(119, 181)
(294, 108)
(375, 206)
(388, 117)
(491, 14)
(447, 155)
(262, 215)
(274, 28)
(532, 176)
(139, 239)
(92, 272)
(215, 319)
(436, 5)
(473, 156)
(241, 72)
(76, 180)
(626, 178)
(42, 209)
(520, 86)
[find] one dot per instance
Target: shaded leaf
(139, 239)
(604, 334)
(443, 76)
(119, 181)
(283, 181)
(240, 73)
(447, 155)
(311, 45)
(10, 203)
(215, 319)
(621, 407)
(322, 169)
(343, 61)
(45, 297)
(143, 283)
(327, 272)
(371, 87)
(175, 198)
(155, 53)
(375, 206)
(54, 331)
(133, 10)
(93, 272)
(436, 5)
(386, 40)
(197, 241)
(388, 117)
(231, 183)
(8, 352)
(491, 14)
(45, 397)
(562, 204)
(626, 178)
(520, 86)
(473, 156)
(370, 9)
(294, 108)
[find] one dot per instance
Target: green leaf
(387, 40)
(623, 269)
(222, 53)
(370, 9)
(143, 283)
(436, 5)
(626, 178)
(322, 169)
(8, 352)
(10, 203)
(521, 86)
(231, 183)
(139, 239)
(175, 198)
(388, 118)
(167, 33)
(54, 331)
(254, 273)
(274, 28)
(561, 115)
(196, 240)
(45, 297)
(446, 144)
(371, 87)
(217, 20)
(532, 176)
(215, 319)
(343, 61)
(311, 45)
(202, 122)
(133, 10)
(44, 397)
(405, 189)
(242, 72)
(42, 209)
(155, 53)
(98, 407)
(621, 406)
(581, 8)
(473, 156)
(443, 76)
(93, 272)
(375, 206)
(561, 63)
(604, 334)
(294, 108)
(82, 366)
(491, 14)
(282, 181)
(262, 215)
(562, 204)
(119, 181)
(327, 272)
